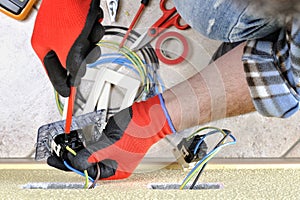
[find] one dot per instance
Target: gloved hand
(65, 33)
(126, 139)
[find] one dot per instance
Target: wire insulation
(163, 105)
(146, 65)
(77, 171)
(199, 167)
(86, 185)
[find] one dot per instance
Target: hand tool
(51, 137)
(135, 19)
(71, 101)
(17, 9)
(113, 6)
(169, 18)
(71, 139)
(57, 137)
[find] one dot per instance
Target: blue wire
(115, 61)
(77, 171)
(162, 103)
(210, 153)
(204, 136)
(198, 144)
(161, 84)
(115, 56)
(111, 54)
(121, 60)
(120, 57)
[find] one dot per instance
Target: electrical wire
(86, 185)
(199, 167)
(59, 104)
(71, 151)
(84, 173)
(164, 108)
(198, 145)
(124, 62)
(148, 54)
(146, 65)
(204, 160)
(97, 177)
(77, 171)
(134, 64)
(197, 177)
(202, 169)
(135, 60)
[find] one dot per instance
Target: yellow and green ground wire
(201, 164)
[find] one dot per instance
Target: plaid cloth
(272, 67)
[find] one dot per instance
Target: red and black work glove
(65, 32)
(125, 141)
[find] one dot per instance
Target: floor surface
(275, 183)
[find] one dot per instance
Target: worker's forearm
(218, 91)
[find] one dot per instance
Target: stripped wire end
(84, 173)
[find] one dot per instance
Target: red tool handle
(71, 101)
(135, 19)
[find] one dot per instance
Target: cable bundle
(143, 63)
(200, 165)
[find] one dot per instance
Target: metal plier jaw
(113, 6)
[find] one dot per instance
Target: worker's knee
(229, 21)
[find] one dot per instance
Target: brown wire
(97, 177)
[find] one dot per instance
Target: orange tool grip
(24, 12)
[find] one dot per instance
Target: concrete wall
(26, 94)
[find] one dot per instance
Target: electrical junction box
(17, 9)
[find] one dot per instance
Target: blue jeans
(226, 20)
